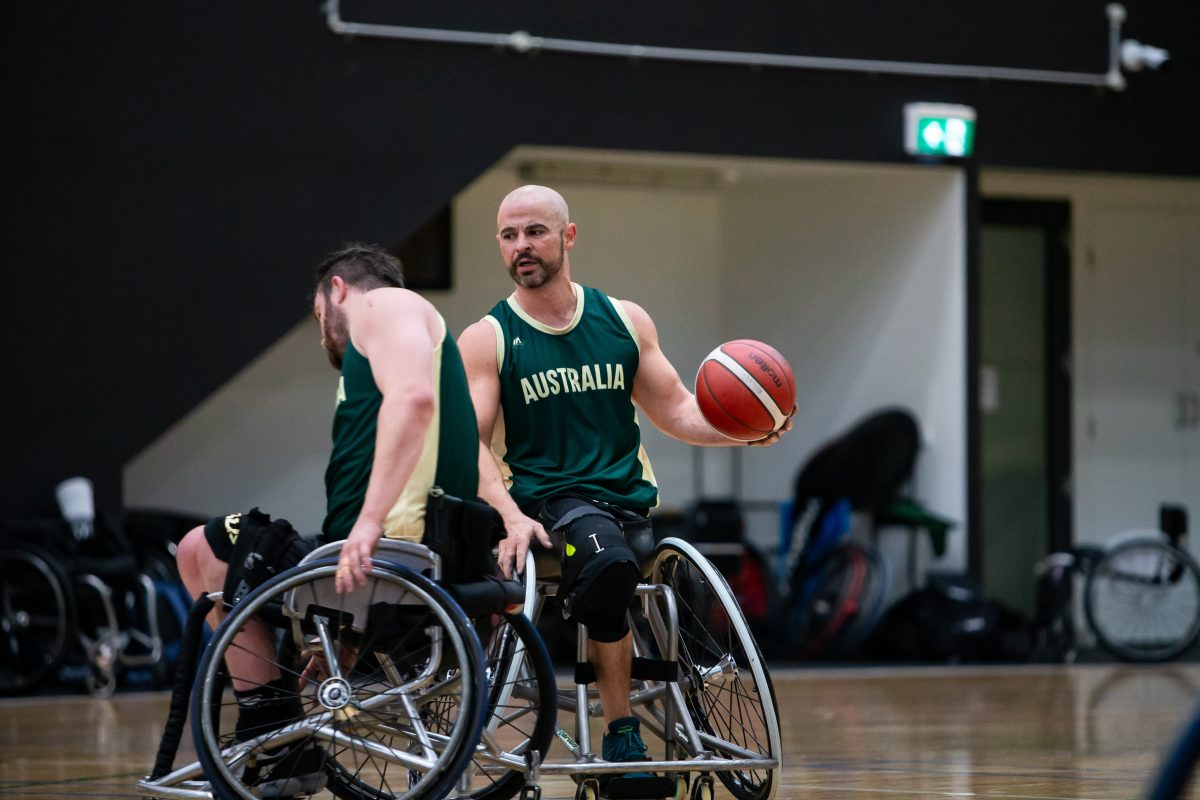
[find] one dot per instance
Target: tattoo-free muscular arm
(393, 330)
(477, 344)
(660, 393)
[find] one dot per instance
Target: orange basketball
(745, 389)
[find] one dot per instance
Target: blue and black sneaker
(623, 742)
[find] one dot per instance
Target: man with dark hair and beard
(404, 423)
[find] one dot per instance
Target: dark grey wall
(172, 170)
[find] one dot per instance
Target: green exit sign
(939, 129)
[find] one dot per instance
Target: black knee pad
(600, 572)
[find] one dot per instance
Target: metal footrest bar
(685, 765)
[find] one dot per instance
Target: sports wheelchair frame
(415, 690)
(700, 685)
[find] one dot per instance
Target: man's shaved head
(552, 203)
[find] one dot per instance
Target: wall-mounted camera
(1136, 56)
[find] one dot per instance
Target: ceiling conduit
(524, 42)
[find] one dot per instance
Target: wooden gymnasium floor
(1023, 732)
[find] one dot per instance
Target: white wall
(854, 272)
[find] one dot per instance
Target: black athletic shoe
(292, 771)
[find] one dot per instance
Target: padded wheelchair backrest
(1173, 521)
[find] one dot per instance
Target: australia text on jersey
(561, 380)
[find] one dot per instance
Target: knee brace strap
(265, 547)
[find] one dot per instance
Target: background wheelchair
(80, 603)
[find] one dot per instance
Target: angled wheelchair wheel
(371, 671)
(1142, 600)
(870, 581)
(726, 686)
(521, 707)
(37, 617)
(825, 599)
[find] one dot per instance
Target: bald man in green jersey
(558, 372)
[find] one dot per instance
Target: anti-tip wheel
(702, 789)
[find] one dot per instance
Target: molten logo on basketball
(767, 368)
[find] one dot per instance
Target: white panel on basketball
(740, 372)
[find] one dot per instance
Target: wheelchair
(394, 682)
(66, 609)
(421, 689)
(700, 687)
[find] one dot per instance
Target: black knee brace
(262, 549)
(600, 572)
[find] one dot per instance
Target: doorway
(1024, 392)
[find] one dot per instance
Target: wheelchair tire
(728, 690)
(824, 599)
(37, 617)
(1142, 600)
(402, 645)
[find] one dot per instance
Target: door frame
(1054, 217)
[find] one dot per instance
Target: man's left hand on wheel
(354, 563)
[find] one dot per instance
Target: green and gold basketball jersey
(567, 421)
(449, 457)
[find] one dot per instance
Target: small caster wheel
(531, 793)
(702, 789)
(681, 787)
(588, 790)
